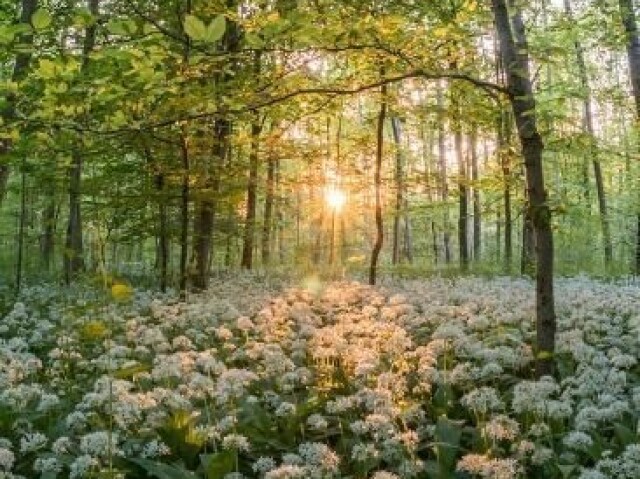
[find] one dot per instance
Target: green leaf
(121, 27)
(195, 28)
(41, 19)
(215, 30)
(624, 435)
(163, 471)
(219, 464)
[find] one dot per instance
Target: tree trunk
(523, 104)
(252, 184)
(252, 192)
(477, 218)
(184, 214)
(73, 257)
(442, 160)
(463, 233)
(268, 212)
(49, 229)
(396, 127)
(373, 267)
(20, 68)
(633, 54)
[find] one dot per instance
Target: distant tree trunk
(268, 212)
(162, 250)
(22, 222)
(73, 257)
(280, 223)
(524, 106)
(20, 68)
(252, 186)
(396, 128)
(49, 229)
(463, 201)
(442, 160)
(633, 54)
(477, 218)
(184, 214)
(373, 267)
(589, 130)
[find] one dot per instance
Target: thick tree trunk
(377, 181)
(633, 54)
(163, 230)
(20, 68)
(524, 106)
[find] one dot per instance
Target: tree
(523, 105)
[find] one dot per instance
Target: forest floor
(424, 378)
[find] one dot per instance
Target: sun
(335, 198)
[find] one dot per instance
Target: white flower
(100, 444)
(482, 400)
(7, 458)
(32, 442)
(578, 440)
(81, 466)
(236, 442)
(263, 465)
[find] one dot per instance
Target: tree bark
(523, 105)
(377, 181)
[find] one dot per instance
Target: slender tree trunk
(477, 218)
(268, 212)
(20, 68)
(252, 185)
(184, 214)
(49, 229)
(442, 160)
(633, 54)
(396, 128)
(73, 258)
(524, 106)
(373, 267)
(22, 222)
(463, 201)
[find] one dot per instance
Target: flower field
(416, 379)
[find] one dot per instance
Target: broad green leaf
(215, 30)
(219, 464)
(163, 471)
(41, 19)
(6, 34)
(121, 27)
(195, 28)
